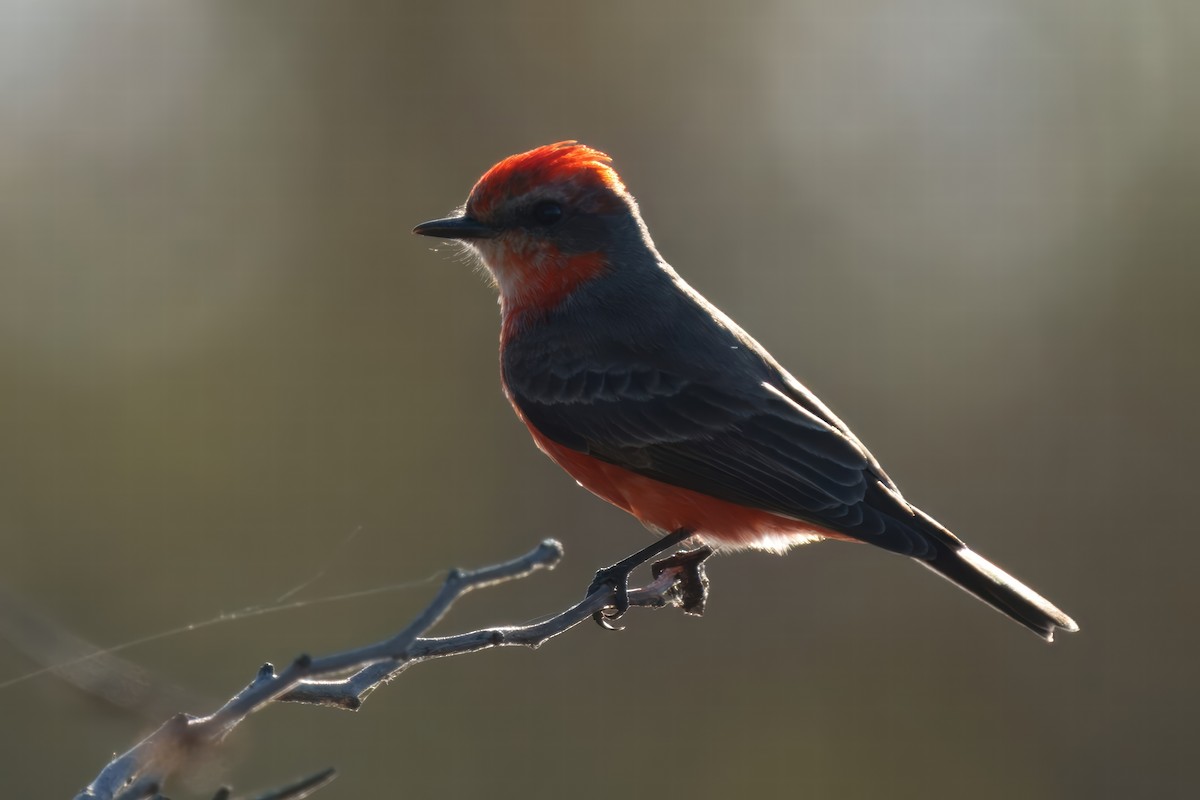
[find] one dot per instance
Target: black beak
(455, 228)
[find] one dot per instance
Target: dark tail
(974, 573)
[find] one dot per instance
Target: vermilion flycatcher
(654, 400)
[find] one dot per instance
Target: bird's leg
(617, 576)
(692, 580)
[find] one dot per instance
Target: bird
(653, 399)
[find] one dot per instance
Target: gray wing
(760, 440)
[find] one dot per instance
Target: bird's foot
(616, 578)
(691, 579)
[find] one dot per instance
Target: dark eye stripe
(547, 212)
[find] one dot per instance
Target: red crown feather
(558, 163)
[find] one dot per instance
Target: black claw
(615, 578)
(602, 619)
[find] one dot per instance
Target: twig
(345, 679)
(293, 791)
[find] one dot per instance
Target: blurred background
(227, 368)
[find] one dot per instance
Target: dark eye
(547, 212)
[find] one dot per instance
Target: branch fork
(345, 679)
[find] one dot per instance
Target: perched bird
(653, 399)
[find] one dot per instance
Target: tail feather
(936, 548)
(973, 573)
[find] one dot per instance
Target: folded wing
(767, 444)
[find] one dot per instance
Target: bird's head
(545, 222)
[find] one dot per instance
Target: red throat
(535, 291)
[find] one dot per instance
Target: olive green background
(225, 366)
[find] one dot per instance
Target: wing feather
(663, 384)
(760, 446)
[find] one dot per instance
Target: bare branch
(345, 679)
(293, 791)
